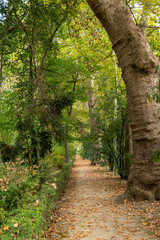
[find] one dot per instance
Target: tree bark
(138, 65)
(91, 105)
(1, 67)
(128, 149)
(115, 100)
(69, 115)
(67, 151)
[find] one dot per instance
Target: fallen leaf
(6, 228)
(145, 224)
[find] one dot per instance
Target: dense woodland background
(61, 93)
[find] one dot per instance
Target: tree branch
(19, 20)
(51, 39)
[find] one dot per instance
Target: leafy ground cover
(88, 210)
(28, 196)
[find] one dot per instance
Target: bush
(58, 157)
(2, 215)
(59, 160)
(17, 183)
(34, 209)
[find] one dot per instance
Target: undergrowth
(28, 196)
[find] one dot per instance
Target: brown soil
(88, 209)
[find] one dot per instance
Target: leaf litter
(88, 209)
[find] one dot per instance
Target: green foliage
(114, 145)
(45, 142)
(36, 198)
(72, 151)
(7, 117)
(155, 156)
(91, 151)
(43, 83)
(17, 182)
(58, 156)
(63, 177)
(3, 214)
(50, 50)
(59, 160)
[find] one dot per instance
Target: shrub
(2, 215)
(60, 161)
(17, 183)
(34, 209)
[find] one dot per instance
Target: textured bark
(1, 66)
(115, 100)
(128, 149)
(67, 152)
(67, 126)
(138, 65)
(91, 105)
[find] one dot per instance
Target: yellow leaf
(16, 225)
(0, 232)
(65, 235)
(144, 223)
(6, 228)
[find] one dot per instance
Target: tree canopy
(61, 82)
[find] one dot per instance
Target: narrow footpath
(88, 209)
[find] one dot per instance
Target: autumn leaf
(84, 210)
(65, 235)
(157, 233)
(145, 224)
(15, 225)
(6, 228)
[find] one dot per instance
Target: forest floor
(88, 209)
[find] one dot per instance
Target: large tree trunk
(138, 65)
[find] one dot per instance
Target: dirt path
(88, 209)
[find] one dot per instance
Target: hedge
(32, 220)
